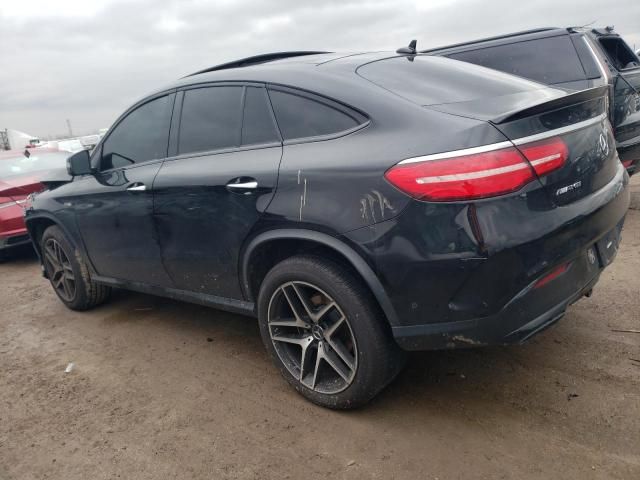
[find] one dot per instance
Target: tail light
(547, 155)
(478, 175)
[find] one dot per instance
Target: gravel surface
(145, 387)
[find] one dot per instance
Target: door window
(141, 136)
(257, 123)
(211, 119)
(300, 116)
(547, 60)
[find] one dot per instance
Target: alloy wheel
(59, 270)
(312, 337)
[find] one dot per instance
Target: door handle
(136, 187)
(252, 185)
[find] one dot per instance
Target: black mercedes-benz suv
(359, 205)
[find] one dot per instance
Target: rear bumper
(14, 240)
(13, 231)
(533, 309)
(512, 325)
(630, 157)
(490, 291)
(632, 166)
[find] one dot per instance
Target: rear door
(220, 179)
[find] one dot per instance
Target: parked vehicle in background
(574, 58)
(11, 139)
(351, 203)
(23, 173)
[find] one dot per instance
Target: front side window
(299, 116)
(141, 136)
(211, 119)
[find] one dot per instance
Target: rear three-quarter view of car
(358, 205)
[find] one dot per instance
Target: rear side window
(619, 53)
(257, 123)
(211, 119)
(547, 60)
(300, 116)
(141, 136)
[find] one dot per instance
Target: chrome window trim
(601, 67)
(500, 145)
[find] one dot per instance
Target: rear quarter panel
(338, 185)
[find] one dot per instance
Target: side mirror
(79, 163)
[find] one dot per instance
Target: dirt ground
(162, 389)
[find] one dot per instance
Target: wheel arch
(276, 245)
(37, 224)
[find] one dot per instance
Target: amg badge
(569, 188)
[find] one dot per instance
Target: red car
(22, 173)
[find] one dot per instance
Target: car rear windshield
(547, 60)
(429, 80)
(22, 165)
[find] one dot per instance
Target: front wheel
(68, 273)
(325, 332)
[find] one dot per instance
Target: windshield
(20, 165)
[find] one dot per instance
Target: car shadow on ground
(437, 379)
(444, 378)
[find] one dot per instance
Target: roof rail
(488, 39)
(255, 60)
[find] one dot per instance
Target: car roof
(505, 39)
(281, 61)
(258, 59)
(322, 73)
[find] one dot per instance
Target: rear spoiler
(557, 103)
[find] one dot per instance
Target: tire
(341, 323)
(68, 272)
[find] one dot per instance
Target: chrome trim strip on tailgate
(500, 145)
(459, 153)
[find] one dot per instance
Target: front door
(114, 206)
(209, 196)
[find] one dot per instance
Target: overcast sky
(87, 60)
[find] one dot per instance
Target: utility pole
(69, 127)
